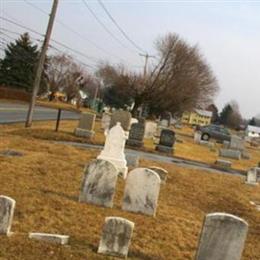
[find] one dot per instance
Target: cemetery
(66, 202)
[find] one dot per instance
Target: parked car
(217, 132)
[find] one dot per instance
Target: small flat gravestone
(222, 237)
(99, 183)
(161, 172)
(86, 125)
(228, 153)
(116, 237)
(113, 150)
(251, 177)
(7, 206)
(136, 135)
(123, 117)
(223, 164)
(10, 153)
(167, 140)
(141, 191)
(52, 238)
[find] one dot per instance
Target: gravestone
(223, 164)
(164, 123)
(123, 117)
(105, 121)
(222, 238)
(116, 237)
(99, 183)
(150, 129)
(197, 137)
(161, 172)
(228, 153)
(236, 143)
(7, 206)
(245, 155)
(251, 177)
(86, 125)
(136, 135)
(226, 144)
(133, 121)
(52, 238)
(113, 150)
(166, 142)
(141, 191)
(132, 160)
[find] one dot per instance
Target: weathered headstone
(251, 177)
(123, 117)
(226, 144)
(228, 153)
(197, 137)
(52, 238)
(116, 237)
(245, 155)
(166, 142)
(237, 143)
(113, 150)
(7, 206)
(99, 183)
(222, 238)
(223, 164)
(136, 135)
(105, 121)
(132, 160)
(141, 191)
(150, 129)
(86, 125)
(161, 172)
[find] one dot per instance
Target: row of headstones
(137, 129)
(222, 237)
(141, 189)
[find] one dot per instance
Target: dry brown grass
(188, 149)
(45, 183)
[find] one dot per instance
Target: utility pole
(146, 56)
(40, 65)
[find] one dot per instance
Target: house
(197, 117)
(253, 131)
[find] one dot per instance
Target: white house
(253, 131)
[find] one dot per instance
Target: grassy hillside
(45, 183)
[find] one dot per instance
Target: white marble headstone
(222, 238)
(141, 191)
(7, 206)
(99, 183)
(113, 150)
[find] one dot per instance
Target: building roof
(252, 128)
(203, 112)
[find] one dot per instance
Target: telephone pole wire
(41, 64)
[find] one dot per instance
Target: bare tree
(66, 75)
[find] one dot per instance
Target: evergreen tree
(18, 66)
(225, 114)
(252, 121)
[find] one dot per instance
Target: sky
(227, 33)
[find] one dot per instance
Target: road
(14, 113)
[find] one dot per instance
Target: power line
(55, 41)
(75, 32)
(105, 27)
(51, 46)
(119, 28)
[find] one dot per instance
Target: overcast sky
(227, 33)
